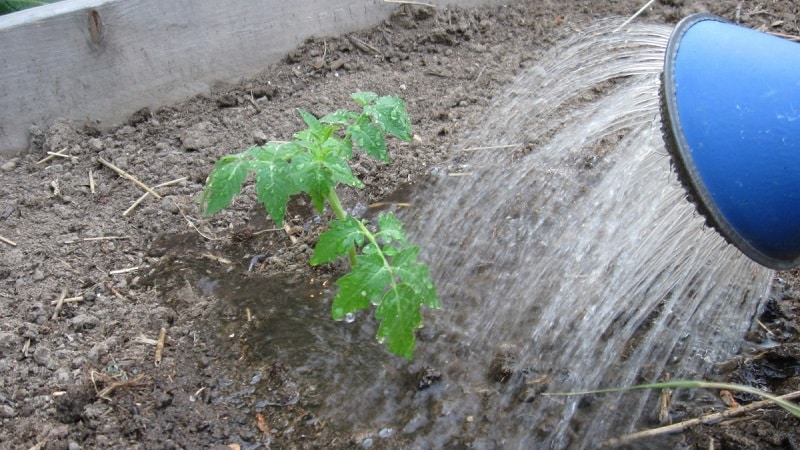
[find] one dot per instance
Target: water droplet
(350, 318)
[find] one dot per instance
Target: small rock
(84, 321)
(63, 376)
(9, 165)
(7, 412)
(98, 351)
(9, 342)
(58, 432)
(43, 356)
(198, 137)
(259, 137)
(95, 144)
(38, 275)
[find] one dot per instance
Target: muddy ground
(83, 374)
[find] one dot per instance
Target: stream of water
(567, 258)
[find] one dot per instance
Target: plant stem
(336, 205)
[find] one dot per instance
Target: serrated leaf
(225, 181)
(390, 114)
(340, 171)
(311, 121)
(274, 187)
(364, 98)
(369, 138)
(337, 241)
(417, 277)
(339, 117)
(339, 148)
(391, 229)
(400, 316)
(272, 151)
(362, 287)
(311, 177)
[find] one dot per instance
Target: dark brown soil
(84, 375)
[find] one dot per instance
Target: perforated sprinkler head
(731, 114)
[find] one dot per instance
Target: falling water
(567, 258)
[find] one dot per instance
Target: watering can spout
(731, 116)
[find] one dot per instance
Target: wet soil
(87, 290)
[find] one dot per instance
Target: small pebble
(7, 412)
(9, 165)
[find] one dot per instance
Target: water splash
(567, 258)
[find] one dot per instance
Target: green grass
(9, 6)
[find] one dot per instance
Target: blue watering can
(731, 115)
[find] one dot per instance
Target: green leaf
(390, 114)
(337, 241)
(369, 138)
(391, 229)
(362, 287)
(274, 188)
(364, 98)
(225, 181)
(339, 170)
(339, 117)
(311, 177)
(340, 148)
(417, 277)
(311, 121)
(400, 316)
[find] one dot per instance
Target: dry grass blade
(402, 2)
(707, 419)
(635, 15)
(111, 384)
(8, 241)
(129, 177)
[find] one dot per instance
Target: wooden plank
(105, 59)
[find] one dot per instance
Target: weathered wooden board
(105, 59)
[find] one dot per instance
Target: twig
(96, 238)
(216, 258)
(130, 177)
(117, 293)
(79, 298)
(266, 230)
(144, 196)
(8, 241)
(123, 271)
(288, 231)
(106, 391)
(210, 238)
(492, 147)
(707, 419)
(59, 303)
(635, 15)
(402, 2)
(40, 445)
(761, 324)
(60, 154)
(162, 336)
(91, 182)
(790, 37)
(51, 155)
(363, 46)
(399, 205)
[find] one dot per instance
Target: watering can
(731, 118)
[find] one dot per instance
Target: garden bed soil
(83, 374)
